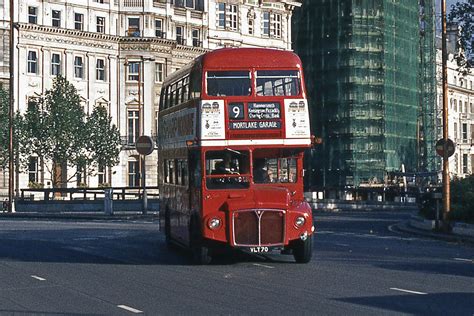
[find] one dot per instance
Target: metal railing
(119, 193)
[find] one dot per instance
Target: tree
(4, 128)
(462, 13)
(60, 134)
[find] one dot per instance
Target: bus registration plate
(259, 249)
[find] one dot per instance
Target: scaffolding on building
(362, 66)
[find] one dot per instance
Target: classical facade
(460, 117)
(105, 47)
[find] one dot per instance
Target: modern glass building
(365, 78)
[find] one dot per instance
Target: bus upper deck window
(228, 83)
(278, 83)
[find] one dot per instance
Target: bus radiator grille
(259, 227)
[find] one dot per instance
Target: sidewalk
(151, 215)
(417, 225)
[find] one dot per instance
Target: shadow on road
(430, 304)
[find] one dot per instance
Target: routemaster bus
(233, 127)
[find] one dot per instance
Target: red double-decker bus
(233, 126)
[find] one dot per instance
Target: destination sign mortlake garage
(255, 125)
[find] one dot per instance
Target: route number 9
(236, 111)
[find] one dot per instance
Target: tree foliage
(463, 14)
(4, 128)
(462, 199)
(58, 131)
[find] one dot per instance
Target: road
(359, 267)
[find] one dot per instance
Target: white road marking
(342, 245)
(263, 266)
(408, 291)
(38, 278)
(85, 238)
(130, 309)
(464, 260)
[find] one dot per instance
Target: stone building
(460, 110)
(104, 47)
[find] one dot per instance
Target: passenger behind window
(260, 172)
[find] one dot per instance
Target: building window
(277, 25)
(102, 174)
(221, 15)
(100, 24)
(133, 173)
(251, 26)
(464, 163)
(133, 126)
(134, 27)
(33, 15)
(180, 35)
(464, 132)
(78, 67)
(33, 170)
(159, 28)
(455, 131)
(32, 62)
(233, 17)
(55, 64)
(266, 24)
(159, 73)
(133, 71)
(79, 21)
(100, 69)
(196, 38)
(56, 18)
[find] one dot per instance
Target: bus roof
(238, 58)
(250, 57)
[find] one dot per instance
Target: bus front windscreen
(227, 169)
(278, 83)
(228, 83)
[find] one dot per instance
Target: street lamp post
(446, 187)
(11, 170)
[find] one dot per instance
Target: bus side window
(195, 84)
(195, 169)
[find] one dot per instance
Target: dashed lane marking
(38, 278)
(464, 260)
(408, 291)
(263, 266)
(130, 309)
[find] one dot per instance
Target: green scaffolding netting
(367, 66)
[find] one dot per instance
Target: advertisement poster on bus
(212, 119)
(297, 119)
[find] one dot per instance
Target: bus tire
(303, 250)
(200, 253)
(168, 228)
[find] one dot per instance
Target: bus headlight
(300, 221)
(214, 223)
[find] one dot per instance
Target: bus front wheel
(302, 250)
(200, 253)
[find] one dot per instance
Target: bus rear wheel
(200, 253)
(303, 250)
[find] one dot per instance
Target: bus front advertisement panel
(212, 119)
(297, 118)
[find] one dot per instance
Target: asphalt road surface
(359, 267)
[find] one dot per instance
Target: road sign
(449, 146)
(144, 145)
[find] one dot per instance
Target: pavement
(81, 215)
(416, 225)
